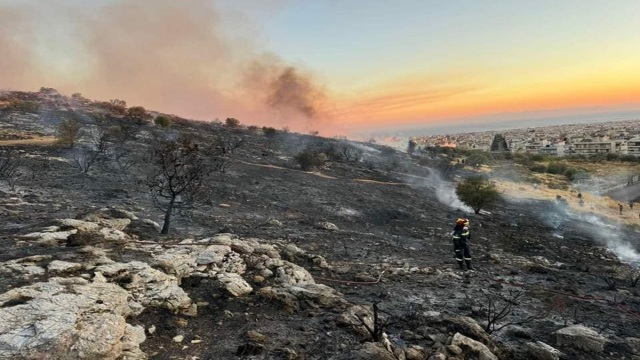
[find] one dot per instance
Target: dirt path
(45, 140)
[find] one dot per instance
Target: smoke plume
(184, 57)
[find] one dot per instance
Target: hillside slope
(273, 262)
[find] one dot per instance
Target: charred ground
(390, 245)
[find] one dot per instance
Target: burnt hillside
(271, 261)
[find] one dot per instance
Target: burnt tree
(179, 169)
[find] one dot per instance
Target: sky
(337, 66)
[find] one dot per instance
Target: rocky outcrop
(147, 286)
(73, 316)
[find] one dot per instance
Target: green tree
(69, 132)
(477, 192)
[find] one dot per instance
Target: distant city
(619, 137)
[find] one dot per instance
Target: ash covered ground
(272, 262)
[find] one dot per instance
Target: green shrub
(538, 168)
(557, 168)
(162, 120)
(309, 159)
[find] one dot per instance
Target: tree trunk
(167, 216)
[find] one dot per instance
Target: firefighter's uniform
(461, 237)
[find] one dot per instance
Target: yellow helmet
(462, 221)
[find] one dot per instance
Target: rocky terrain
(349, 261)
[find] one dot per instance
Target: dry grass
(43, 140)
(600, 205)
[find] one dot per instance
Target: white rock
(86, 319)
(113, 235)
(58, 267)
(580, 337)
(178, 338)
(148, 286)
(542, 351)
(234, 284)
(325, 225)
(80, 225)
(476, 347)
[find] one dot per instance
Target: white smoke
(445, 191)
(607, 234)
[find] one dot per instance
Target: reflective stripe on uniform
(459, 260)
(467, 258)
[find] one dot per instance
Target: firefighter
(461, 237)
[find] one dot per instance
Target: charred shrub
(310, 159)
(269, 131)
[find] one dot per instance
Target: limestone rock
(541, 351)
(148, 286)
(213, 254)
(234, 284)
(24, 268)
(315, 294)
(291, 274)
(143, 228)
(371, 351)
(58, 267)
(50, 238)
(580, 337)
(117, 224)
(415, 352)
(70, 315)
(475, 347)
(325, 225)
(79, 225)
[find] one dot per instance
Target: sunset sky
(353, 66)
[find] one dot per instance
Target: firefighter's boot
(468, 264)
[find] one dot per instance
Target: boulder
(70, 316)
(475, 347)
(234, 284)
(579, 337)
(287, 273)
(143, 228)
(415, 352)
(315, 295)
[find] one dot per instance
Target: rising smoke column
(186, 57)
